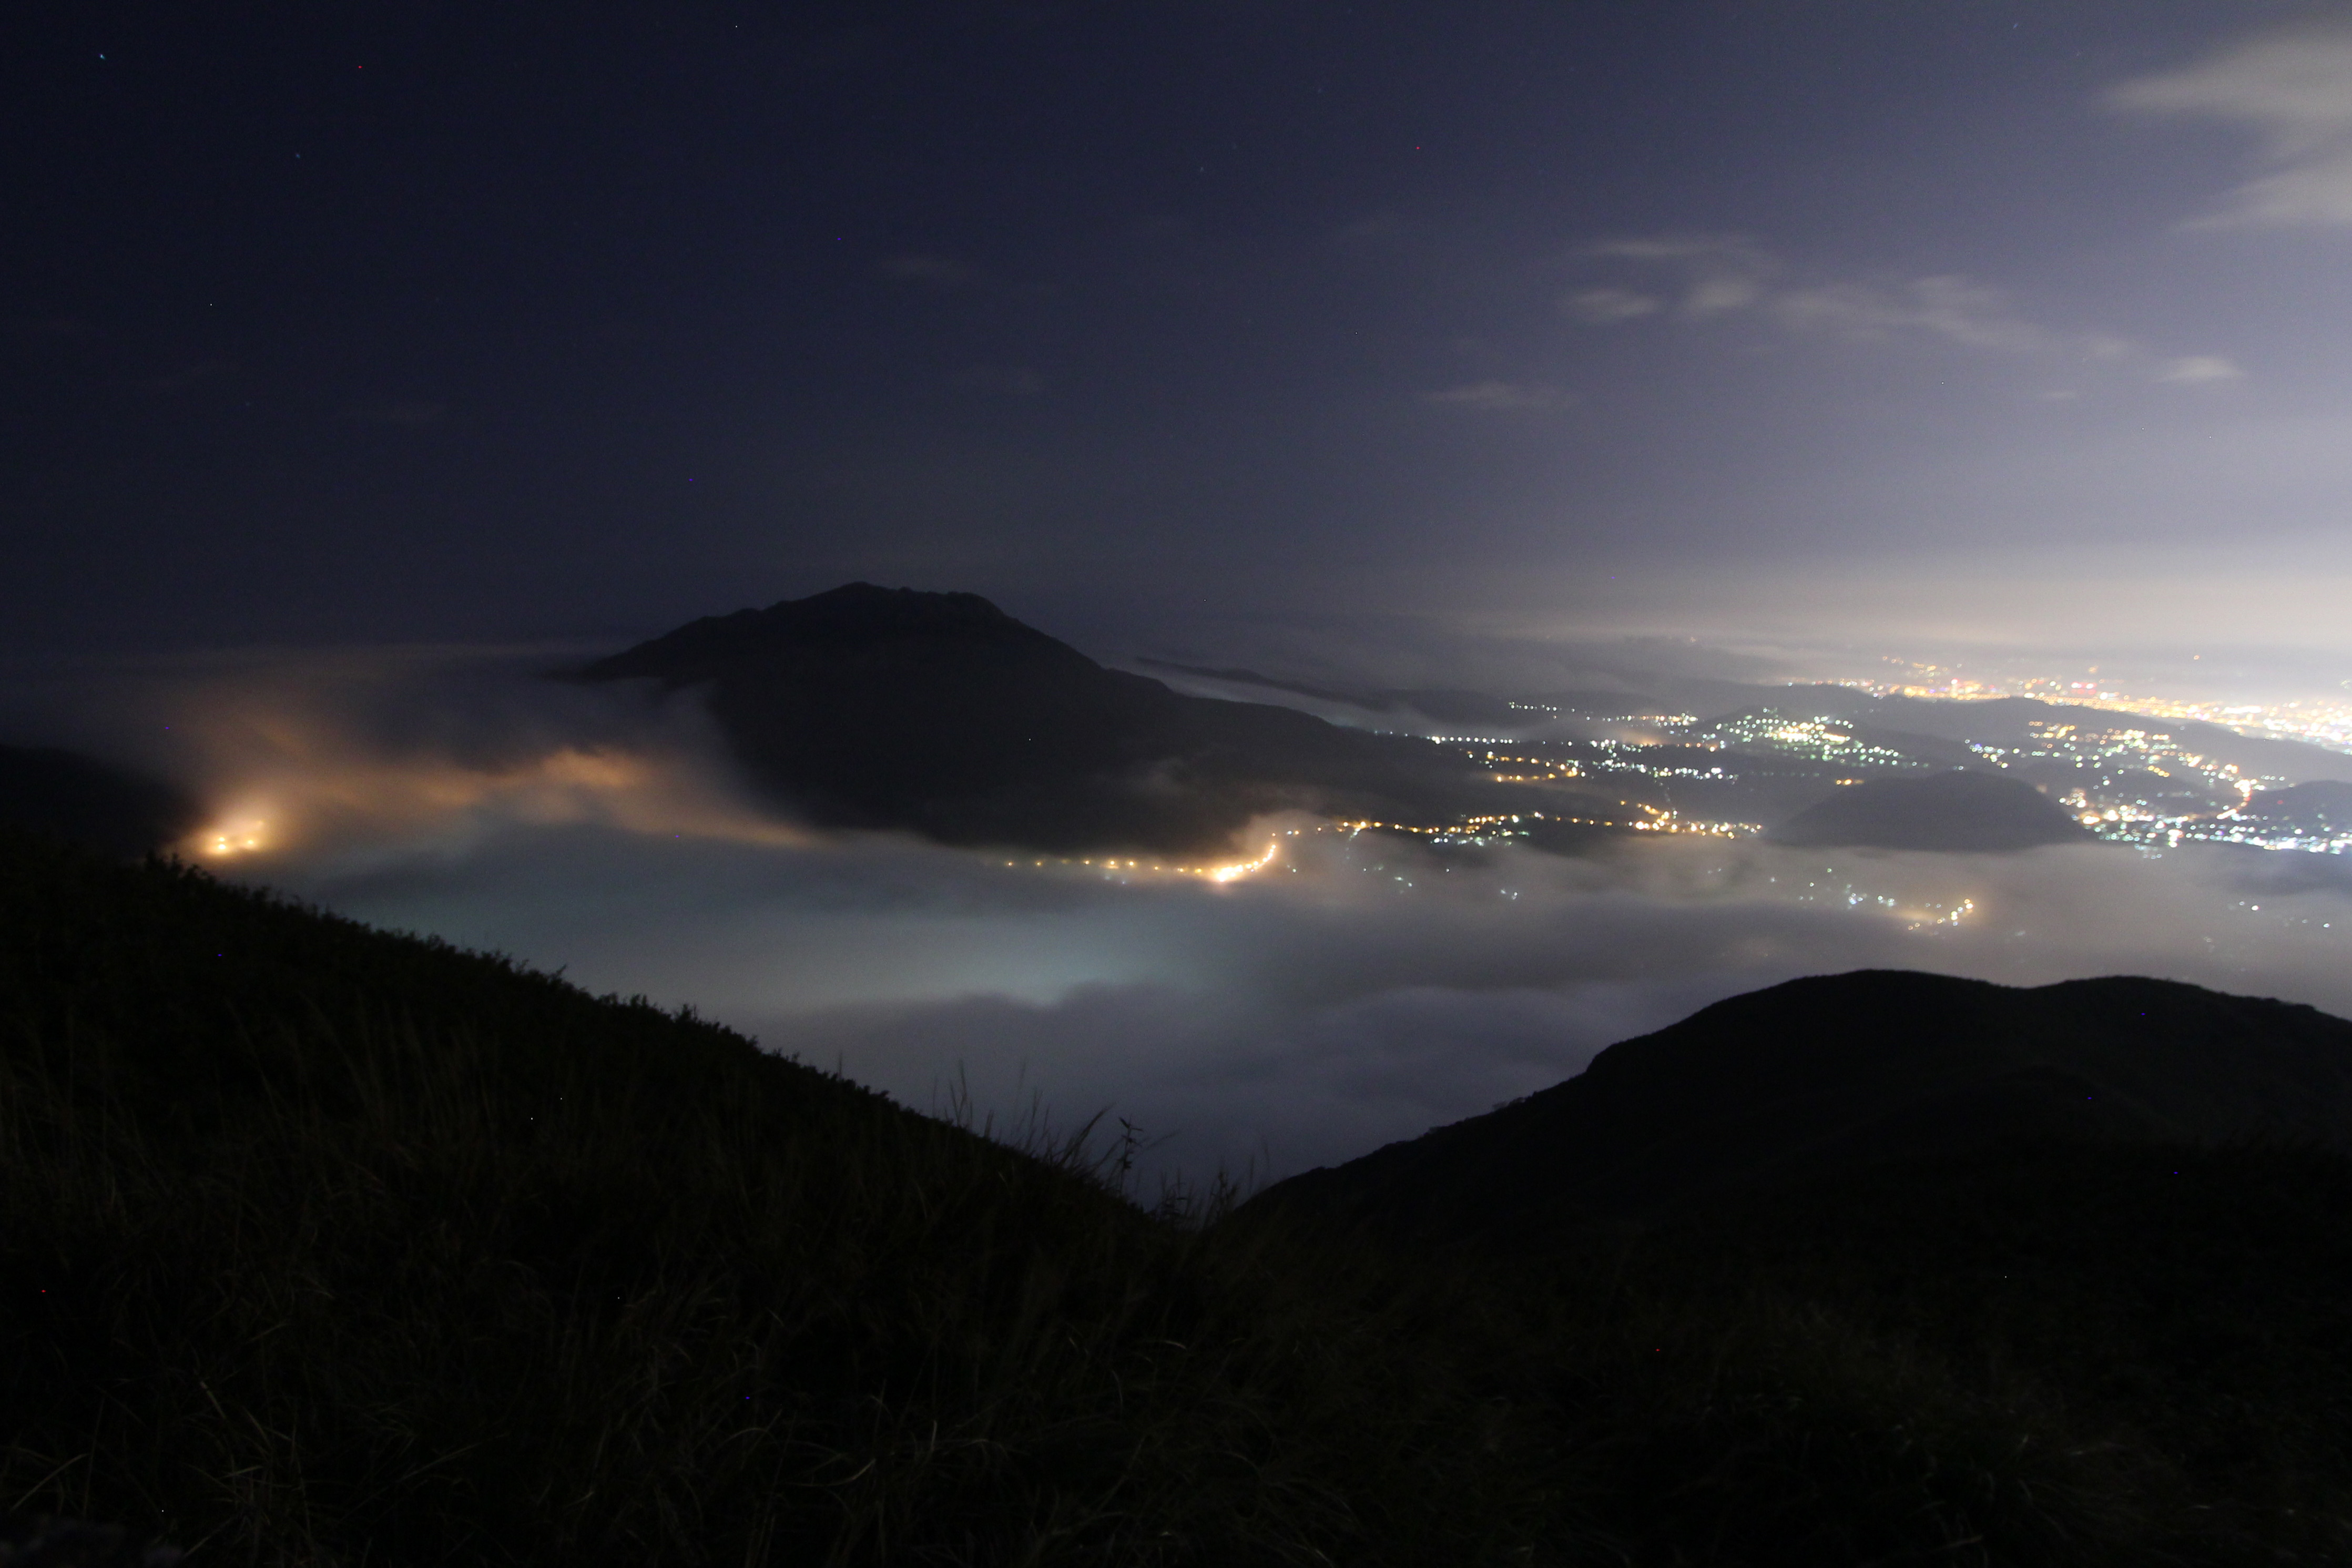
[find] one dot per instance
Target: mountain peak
(1833, 1074)
(856, 614)
(873, 707)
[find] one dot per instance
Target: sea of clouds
(1352, 990)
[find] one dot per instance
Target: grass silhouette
(320, 1245)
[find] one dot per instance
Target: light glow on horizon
(244, 839)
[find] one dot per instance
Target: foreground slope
(868, 707)
(1834, 1072)
(321, 1245)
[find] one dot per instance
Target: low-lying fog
(1351, 990)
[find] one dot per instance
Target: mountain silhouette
(1834, 1073)
(868, 707)
(1958, 810)
(89, 802)
(2321, 808)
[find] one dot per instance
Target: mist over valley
(1267, 939)
(1177, 787)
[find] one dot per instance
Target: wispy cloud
(1004, 380)
(1605, 306)
(409, 413)
(1360, 989)
(941, 272)
(1713, 277)
(2201, 369)
(2294, 88)
(1946, 306)
(1502, 396)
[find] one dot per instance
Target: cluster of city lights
(1476, 830)
(1662, 819)
(1610, 757)
(2318, 721)
(1231, 871)
(1817, 738)
(245, 838)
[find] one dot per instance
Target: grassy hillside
(323, 1246)
(1834, 1073)
(2057, 1354)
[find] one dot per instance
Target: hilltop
(1955, 810)
(868, 707)
(1831, 1073)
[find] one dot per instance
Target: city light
(242, 839)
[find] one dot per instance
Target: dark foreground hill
(1955, 810)
(1834, 1073)
(108, 808)
(320, 1246)
(869, 707)
(324, 1245)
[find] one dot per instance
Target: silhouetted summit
(1958, 810)
(106, 807)
(876, 627)
(868, 707)
(1836, 1072)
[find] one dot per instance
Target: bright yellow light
(242, 839)
(1243, 867)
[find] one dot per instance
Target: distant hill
(1765, 740)
(2012, 721)
(1833, 1073)
(1955, 810)
(91, 803)
(2319, 809)
(869, 707)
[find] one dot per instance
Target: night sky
(364, 325)
(364, 366)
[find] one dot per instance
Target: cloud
(191, 377)
(1605, 306)
(2294, 90)
(410, 413)
(1502, 396)
(1379, 226)
(2199, 370)
(1949, 308)
(1719, 273)
(941, 272)
(1004, 380)
(1726, 276)
(1354, 994)
(1733, 250)
(1355, 991)
(406, 752)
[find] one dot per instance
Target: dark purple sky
(373, 324)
